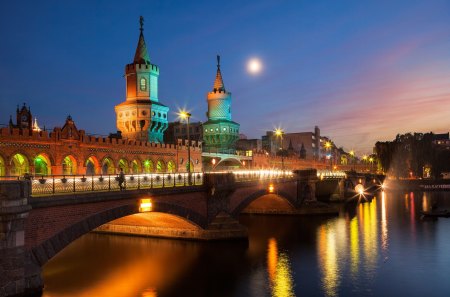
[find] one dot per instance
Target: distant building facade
(306, 145)
(178, 130)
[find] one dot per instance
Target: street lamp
(279, 133)
(186, 116)
(328, 146)
(371, 162)
(352, 154)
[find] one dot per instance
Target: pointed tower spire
(218, 83)
(141, 55)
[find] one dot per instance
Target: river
(381, 248)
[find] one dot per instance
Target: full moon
(254, 66)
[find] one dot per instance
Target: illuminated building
(142, 117)
(220, 133)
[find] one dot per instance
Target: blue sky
(360, 70)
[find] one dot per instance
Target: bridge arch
(47, 249)
(259, 194)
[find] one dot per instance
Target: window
(143, 84)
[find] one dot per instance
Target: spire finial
(141, 22)
(218, 61)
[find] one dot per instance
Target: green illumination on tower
(220, 133)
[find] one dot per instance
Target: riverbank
(418, 185)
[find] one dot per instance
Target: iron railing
(56, 184)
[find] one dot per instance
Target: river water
(381, 248)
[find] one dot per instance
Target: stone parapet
(14, 210)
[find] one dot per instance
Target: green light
(38, 160)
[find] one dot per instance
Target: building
(66, 150)
(304, 144)
(141, 116)
(178, 130)
(220, 133)
(249, 145)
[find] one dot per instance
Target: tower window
(143, 84)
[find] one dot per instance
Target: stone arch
(47, 249)
(148, 166)
(108, 166)
(2, 166)
(69, 165)
(123, 164)
(19, 164)
(42, 164)
(171, 167)
(249, 199)
(92, 165)
(136, 167)
(160, 166)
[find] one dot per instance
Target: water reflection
(367, 251)
(328, 259)
(280, 274)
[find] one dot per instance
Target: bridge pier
(14, 209)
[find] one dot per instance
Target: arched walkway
(69, 165)
(42, 165)
(171, 167)
(148, 166)
(92, 165)
(135, 166)
(108, 166)
(19, 165)
(2, 167)
(123, 164)
(160, 166)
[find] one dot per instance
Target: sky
(362, 71)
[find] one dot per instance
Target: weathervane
(218, 61)
(141, 22)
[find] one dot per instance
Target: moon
(254, 66)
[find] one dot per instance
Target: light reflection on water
(373, 249)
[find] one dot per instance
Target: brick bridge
(33, 229)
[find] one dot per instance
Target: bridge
(39, 218)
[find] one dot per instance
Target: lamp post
(328, 146)
(186, 116)
(279, 133)
(371, 162)
(352, 154)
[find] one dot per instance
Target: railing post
(53, 186)
(174, 180)
(184, 179)
(151, 181)
(109, 182)
(163, 185)
(73, 182)
(139, 183)
(92, 179)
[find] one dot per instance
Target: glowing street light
(279, 133)
(183, 114)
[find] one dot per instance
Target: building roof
(218, 82)
(141, 56)
(443, 136)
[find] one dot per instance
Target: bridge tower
(220, 132)
(141, 116)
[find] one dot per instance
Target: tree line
(413, 155)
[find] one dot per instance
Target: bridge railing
(58, 184)
(253, 175)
